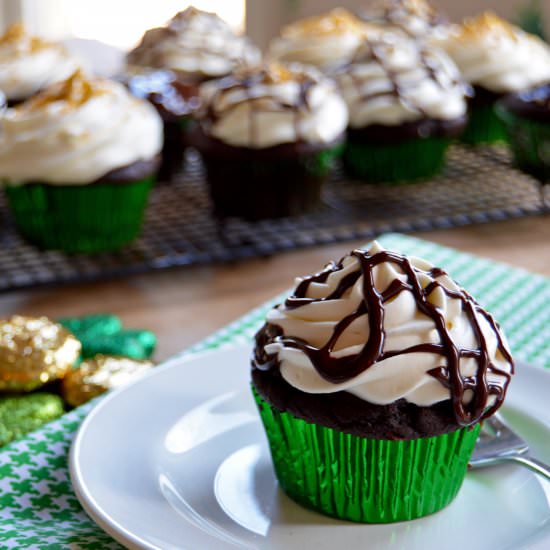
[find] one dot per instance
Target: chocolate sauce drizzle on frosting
(341, 369)
(397, 13)
(372, 50)
(250, 81)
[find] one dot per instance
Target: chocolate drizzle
(432, 69)
(340, 369)
(255, 86)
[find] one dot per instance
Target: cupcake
(496, 58)
(29, 64)
(371, 380)
(415, 18)
(406, 102)
(267, 136)
(526, 118)
(175, 101)
(326, 41)
(78, 160)
(194, 46)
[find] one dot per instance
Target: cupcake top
(415, 18)
(29, 64)
(326, 41)
(533, 104)
(500, 57)
(392, 80)
(272, 105)
(385, 327)
(196, 44)
(77, 131)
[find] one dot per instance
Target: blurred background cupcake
(29, 64)
(78, 161)
(194, 46)
(326, 41)
(415, 18)
(267, 136)
(406, 102)
(497, 58)
(526, 118)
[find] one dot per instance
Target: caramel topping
(337, 21)
(487, 22)
(276, 73)
(75, 92)
(415, 7)
(17, 35)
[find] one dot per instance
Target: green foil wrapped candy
(24, 413)
(90, 326)
(104, 334)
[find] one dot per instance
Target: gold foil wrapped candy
(99, 374)
(34, 351)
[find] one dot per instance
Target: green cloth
(38, 508)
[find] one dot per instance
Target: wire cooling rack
(477, 185)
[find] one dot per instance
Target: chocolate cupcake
(267, 136)
(371, 380)
(497, 58)
(326, 41)
(526, 118)
(78, 161)
(194, 46)
(29, 64)
(415, 18)
(406, 102)
(175, 101)
(197, 45)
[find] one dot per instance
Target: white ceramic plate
(179, 460)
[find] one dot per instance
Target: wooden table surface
(184, 305)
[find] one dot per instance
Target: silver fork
(498, 444)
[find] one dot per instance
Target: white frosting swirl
(498, 56)
(194, 43)
(273, 105)
(29, 64)
(415, 18)
(326, 41)
(402, 376)
(393, 79)
(77, 131)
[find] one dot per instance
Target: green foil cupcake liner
(396, 163)
(530, 143)
(365, 480)
(80, 218)
(484, 126)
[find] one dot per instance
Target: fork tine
(497, 423)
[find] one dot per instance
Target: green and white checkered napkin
(38, 508)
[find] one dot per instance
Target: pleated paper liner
(361, 479)
(530, 143)
(80, 218)
(397, 163)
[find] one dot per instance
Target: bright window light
(121, 23)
